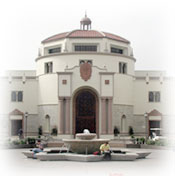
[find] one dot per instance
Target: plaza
(158, 163)
(109, 71)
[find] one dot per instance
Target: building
(86, 79)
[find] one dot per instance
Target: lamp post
(26, 115)
(146, 123)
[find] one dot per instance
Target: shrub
(140, 140)
(131, 131)
(40, 131)
(23, 142)
(31, 140)
(150, 142)
(16, 142)
(54, 131)
(116, 131)
(160, 142)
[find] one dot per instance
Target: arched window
(123, 123)
(47, 126)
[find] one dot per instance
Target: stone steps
(120, 144)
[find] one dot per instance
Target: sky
(148, 24)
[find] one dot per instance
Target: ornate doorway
(85, 112)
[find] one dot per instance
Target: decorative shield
(85, 71)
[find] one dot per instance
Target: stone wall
(32, 125)
(52, 112)
(118, 112)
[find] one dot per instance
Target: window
(20, 96)
(54, 50)
(13, 96)
(154, 96)
(122, 67)
(82, 62)
(116, 50)
(85, 48)
(16, 96)
(85, 61)
(48, 67)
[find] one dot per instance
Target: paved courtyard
(159, 163)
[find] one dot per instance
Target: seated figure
(39, 148)
(105, 149)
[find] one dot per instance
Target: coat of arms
(85, 71)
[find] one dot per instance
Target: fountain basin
(85, 136)
(80, 146)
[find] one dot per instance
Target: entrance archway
(85, 107)
(16, 118)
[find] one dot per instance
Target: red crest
(85, 71)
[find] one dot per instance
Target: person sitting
(39, 148)
(105, 149)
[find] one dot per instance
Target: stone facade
(98, 66)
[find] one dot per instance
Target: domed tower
(85, 22)
(85, 81)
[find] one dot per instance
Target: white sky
(148, 24)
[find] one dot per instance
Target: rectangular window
(154, 96)
(20, 96)
(54, 50)
(48, 67)
(16, 96)
(85, 48)
(13, 96)
(122, 67)
(116, 50)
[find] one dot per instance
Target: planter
(20, 146)
(133, 146)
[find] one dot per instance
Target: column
(67, 130)
(146, 124)
(109, 116)
(103, 115)
(61, 116)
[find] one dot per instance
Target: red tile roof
(85, 34)
(115, 37)
(55, 37)
(154, 113)
(16, 112)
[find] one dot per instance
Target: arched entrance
(85, 111)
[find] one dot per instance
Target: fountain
(81, 149)
(84, 143)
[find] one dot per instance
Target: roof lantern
(85, 23)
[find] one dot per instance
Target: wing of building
(86, 79)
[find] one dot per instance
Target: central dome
(85, 34)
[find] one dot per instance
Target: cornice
(85, 53)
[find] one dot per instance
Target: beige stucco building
(86, 79)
